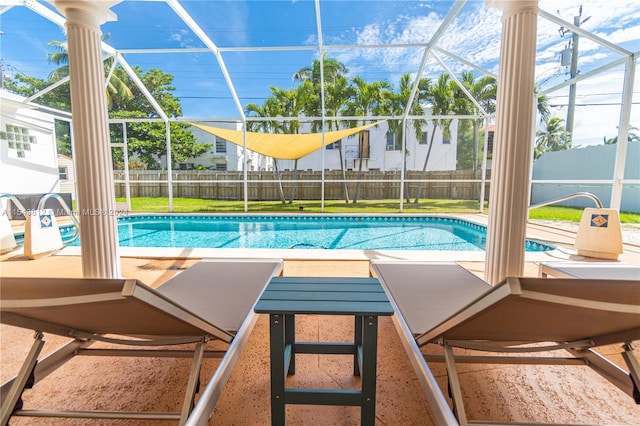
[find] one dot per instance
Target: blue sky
(474, 35)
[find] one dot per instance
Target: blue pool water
(333, 232)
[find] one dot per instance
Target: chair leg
(26, 371)
(193, 383)
(454, 383)
(634, 370)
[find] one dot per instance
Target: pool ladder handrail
(568, 197)
(16, 202)
(66, 208)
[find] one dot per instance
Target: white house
(224, 155)
(67, 175)
(375, 148)
(28, 158)
(383, 152)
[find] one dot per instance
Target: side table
(363, 298)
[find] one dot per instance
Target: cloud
(183, 38)
(475, 35)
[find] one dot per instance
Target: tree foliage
(146, 141)
(554, 137)
(60, 56)
(59, 99)
(631, 137)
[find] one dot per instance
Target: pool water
(330, 232)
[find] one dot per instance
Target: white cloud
(183, 37)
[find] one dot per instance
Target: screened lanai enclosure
(405, 100)
(348, 100)
(423, 74)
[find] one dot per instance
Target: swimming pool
(305, 231)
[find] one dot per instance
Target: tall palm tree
(484, 91)
(336, 92)
(332, 70)
(542, 104)
(292, 103)
(115, 86)
(367, 99)
(336, 96)
(268, 109)
(397, 105)
(553, 138)
(440, 96)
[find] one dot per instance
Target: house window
(393, 142)
(446, 140)
(186, 166)
(335, 145)
(424, 139)
(17, 138)
(222, 167)
(62, 173)
(221, 145)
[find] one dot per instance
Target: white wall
(442, 157)
(233, 157)
(589, 163)
(35, 170)
(68, 185)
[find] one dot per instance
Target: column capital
(94, 12)
(513, 6)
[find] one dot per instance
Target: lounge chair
(445, 304)
(213, 299)
(604, 270)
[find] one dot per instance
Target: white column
(94, 176)
(512, 154)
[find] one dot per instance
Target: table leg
(369, 358)
(277, 345)
(290, 340)
(357, 340)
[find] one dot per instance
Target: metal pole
(127, 181)
(169, 168)
(623, 133)
(245, 173)
(484, 164)
(574, 72)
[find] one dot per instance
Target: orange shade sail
(282, 146)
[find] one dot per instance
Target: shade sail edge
(282, 146)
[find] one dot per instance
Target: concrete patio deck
(507, 393)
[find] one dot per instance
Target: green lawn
(195, 205)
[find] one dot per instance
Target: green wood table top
(324, 296)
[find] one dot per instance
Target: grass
(573, 214)
(192, 205)
(430, 206)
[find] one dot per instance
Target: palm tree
(268, 109)
(440, 96)
(336, 92)
(553, 138)
(336, 96)
(115, 86)
(366, 99)
(397, 105)
(542, 104)
(332, 70)
(484, 90)
(292, 103)
(632, 137)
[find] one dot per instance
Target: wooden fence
(264, 186)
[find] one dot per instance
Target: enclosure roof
(224, 56)
(282, 146)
